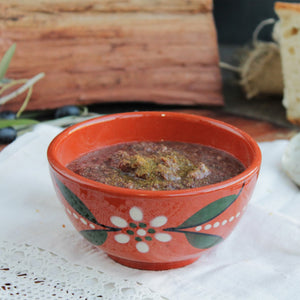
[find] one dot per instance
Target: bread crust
(294, 120)
(288, 14)
(287, 6)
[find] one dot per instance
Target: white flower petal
(163, 237)
(159, 221)
(122, 238)
(136, 214)
(120, 222)
(142, 247)
(141, 232)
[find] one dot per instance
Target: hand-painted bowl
(153, 230)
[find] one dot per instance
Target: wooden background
(113, 51)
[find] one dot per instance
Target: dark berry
(7, 115)
(7, 135)
(68, 110)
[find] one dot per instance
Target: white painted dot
(83, 221)
(163, 237)
(142, 247)
(224, 222)
(238, 214)
(68, 211)
(198, 228)
(217, 224)
(136, 214)
(75, 216)
(122, 238)
(208, 226)
(120, 222)
(231, 219)
(141, 232)
(159, 221)
(92, 225)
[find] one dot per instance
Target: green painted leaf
(17, 123)
(96, 237)
(202, 240)
(4, 64)
(209, 212)
(76, 203)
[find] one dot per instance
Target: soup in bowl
(154, 190)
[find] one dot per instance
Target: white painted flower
(142, 232)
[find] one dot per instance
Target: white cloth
(259, 260)
(28, 272)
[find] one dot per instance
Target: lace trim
(28, 272)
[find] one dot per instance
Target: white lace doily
(28, 272)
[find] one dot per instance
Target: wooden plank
(15, 8)
(93, 56)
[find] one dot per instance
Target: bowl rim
(254, 167)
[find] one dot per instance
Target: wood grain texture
(16, 8)
(103, 51)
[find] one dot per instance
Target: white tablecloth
(260, 259)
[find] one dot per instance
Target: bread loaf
(289, 41)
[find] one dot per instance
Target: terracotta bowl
(153, 230)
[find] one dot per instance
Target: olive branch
(6, 83)
(22, 125)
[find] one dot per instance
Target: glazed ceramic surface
(153, 230)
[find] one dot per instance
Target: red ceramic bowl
(153, 230)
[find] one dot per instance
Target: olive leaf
(96, 237)
(76, 203)
(202, 240)
(4, 64)
(5, 80)
(17, 123)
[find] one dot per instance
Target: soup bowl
(145, 229)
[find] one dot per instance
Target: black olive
(68, 110)
(7, 135)
(7, 115)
